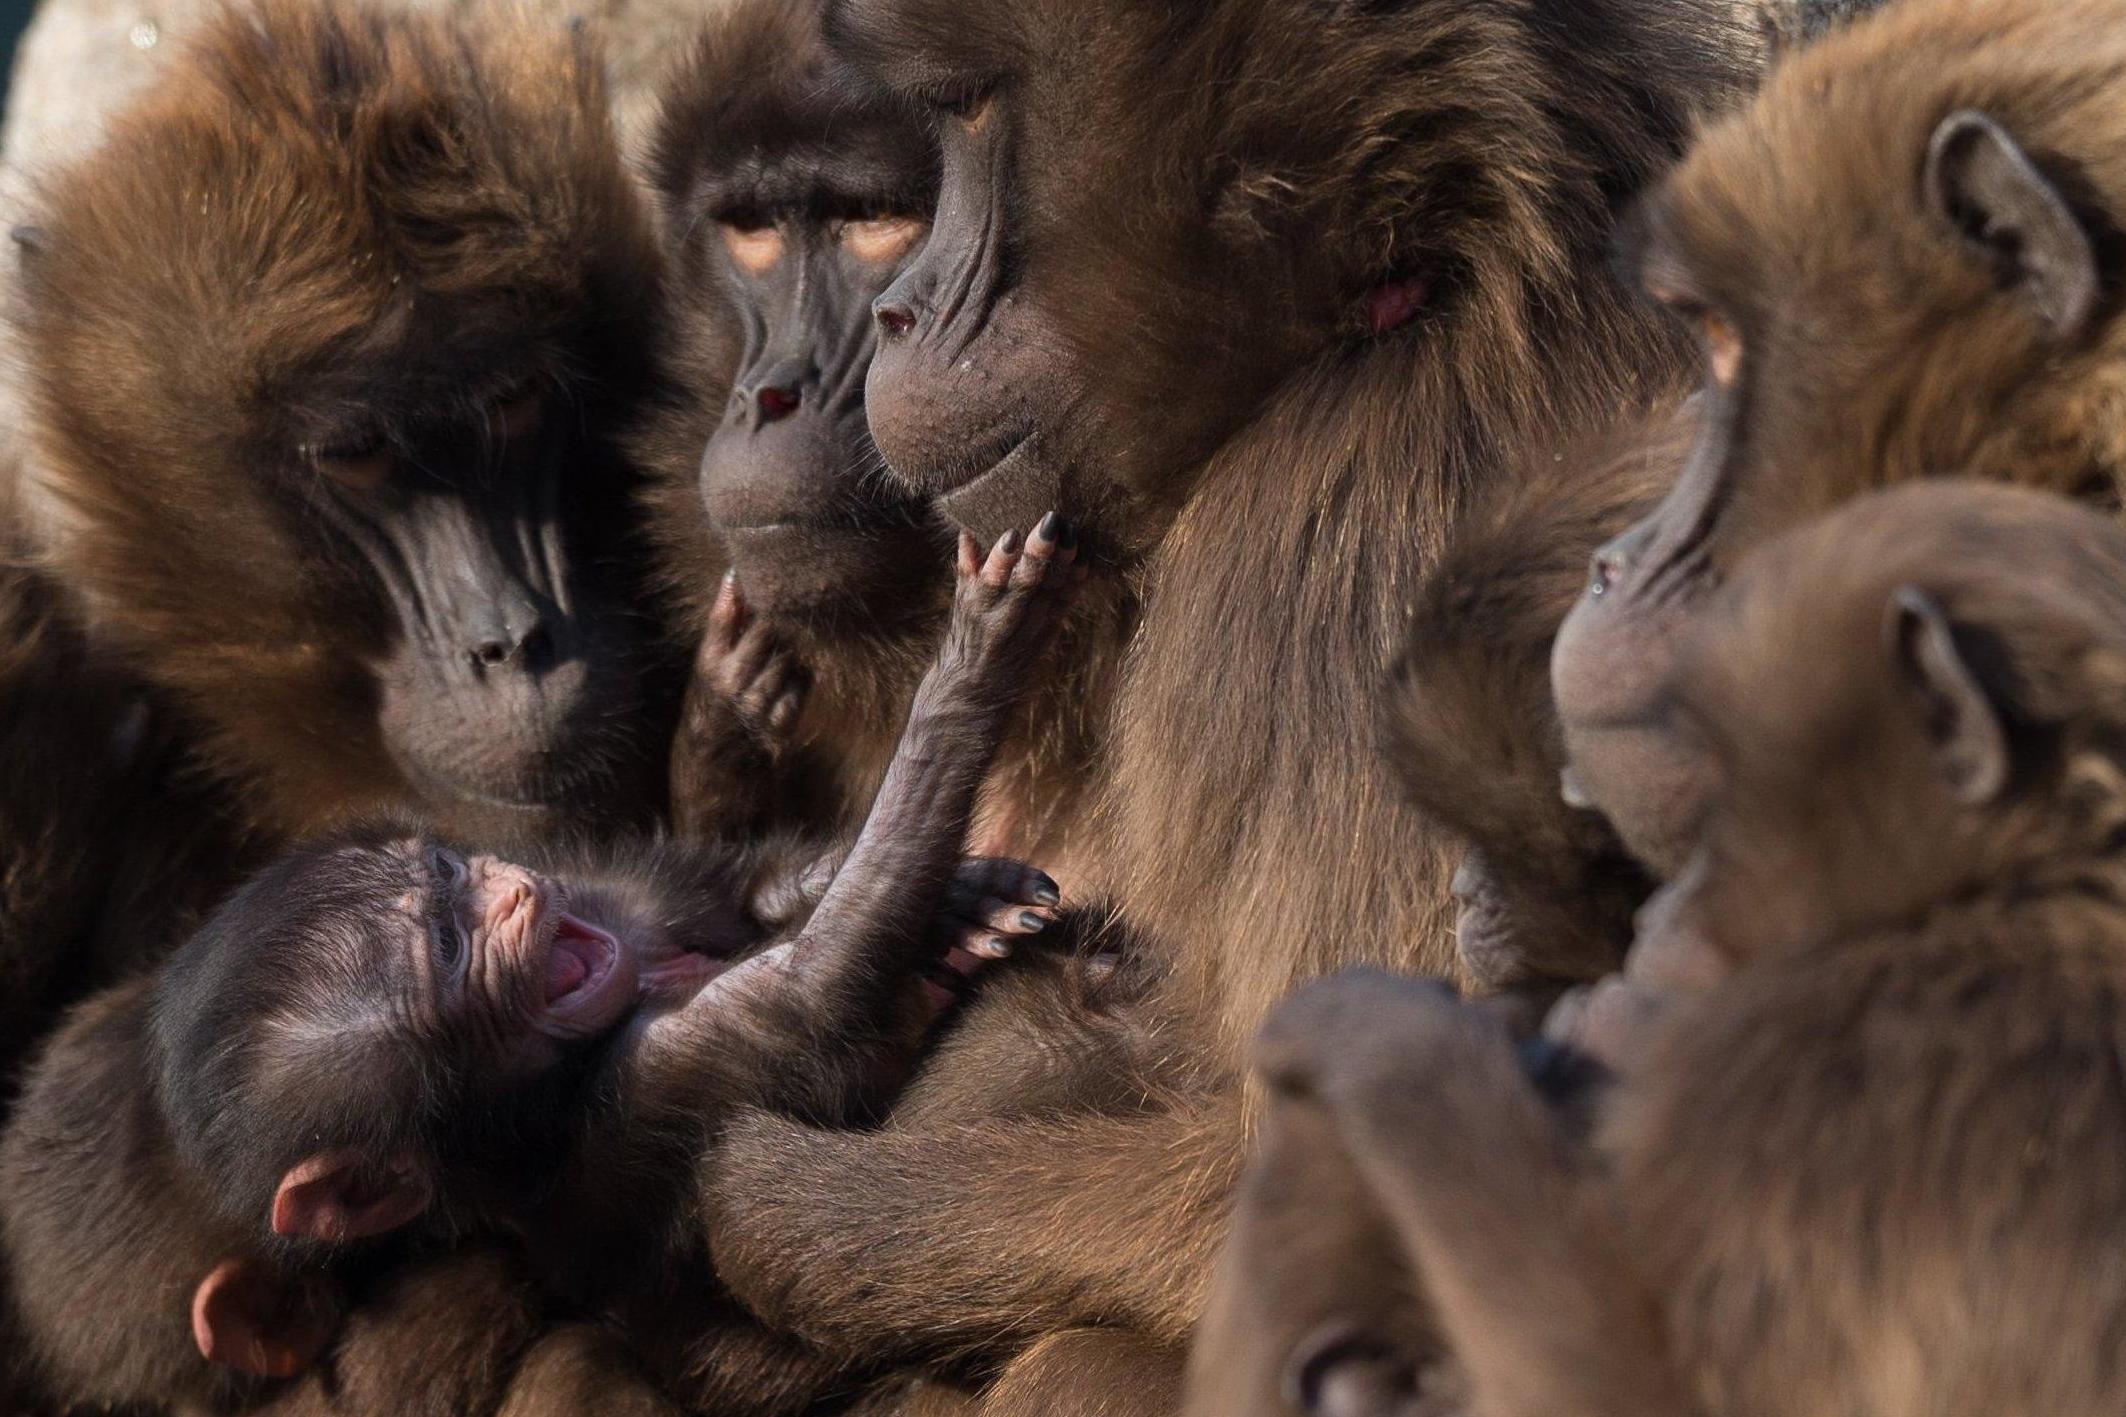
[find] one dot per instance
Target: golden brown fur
(1930, 371)
(1864, 240)
(1867, 1171)
(213, 266)
(1284, 484)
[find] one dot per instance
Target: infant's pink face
(498, 951)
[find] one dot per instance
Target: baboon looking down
(1903, 247)
(328, 347)
(1905, 872)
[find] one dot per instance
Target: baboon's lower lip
(1014, 452)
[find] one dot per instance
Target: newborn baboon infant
(1866, 1156)
(385, 1035)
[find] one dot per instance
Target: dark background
(14, 17)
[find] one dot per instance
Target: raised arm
(797, 1024)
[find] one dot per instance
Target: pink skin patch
(580, 950)
(1397, 303)
(588, 977)
(680, 977)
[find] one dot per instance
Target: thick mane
(1482, 147)
(1273, 608)
(316, 216)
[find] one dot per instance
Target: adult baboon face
(1112, 281)
(789, 476)
(326, 381)
(791, 201)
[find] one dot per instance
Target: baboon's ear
(2012, 216)
(1963, 723)
(249, 1316)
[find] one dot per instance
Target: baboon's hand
(1007, 605)
(748, 665)
(742, 704)
(991, 903)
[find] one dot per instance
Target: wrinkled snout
(505, 667)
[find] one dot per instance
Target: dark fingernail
(1008, 542)
(1030, 921)
(1048, 527)
(1045, 892)
(999, 947)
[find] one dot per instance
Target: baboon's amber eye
(755, 248)
(360, 463)
(882, 239)
(1723, 347)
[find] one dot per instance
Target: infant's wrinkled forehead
(353, 913)
(364, 876)
(352, 903)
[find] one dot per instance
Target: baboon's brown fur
(1880, 333)
(463, 1336)
(1547, 891)
(212, 275)
(1280, 485)
(90, 885)
(1873, 1169)
(755, 111)
(1865, 327)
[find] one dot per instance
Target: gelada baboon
(542, 1054)
(610, 1017)
(129, 1286)
(789, 202)
(1260, 292)
(1914, 709)
(1546, 892)
(1904, 247)
(328, 348)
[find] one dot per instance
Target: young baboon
(127, 1286)
(540, 1055)
(789, 202)
(1905, 246)
(1229, 283)
(1865, 1165)
(1546, 891)
(329, 346)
